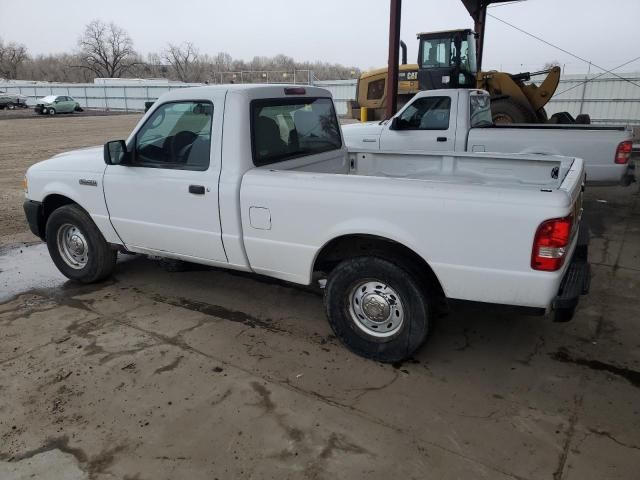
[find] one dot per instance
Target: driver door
(424, 125)
(165, 200)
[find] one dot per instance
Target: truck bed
(480, 169)
(466, 198)
(595, 144)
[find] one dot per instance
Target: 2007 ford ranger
(257, 178)
(460, 120)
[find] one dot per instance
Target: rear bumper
(576, 279)
(35, 217)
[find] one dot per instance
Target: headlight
(25, 185)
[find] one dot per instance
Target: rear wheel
(11, 106)
(505, 111)
(377, 309)
(77, 247)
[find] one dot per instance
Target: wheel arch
(50, 203)
(358, 244)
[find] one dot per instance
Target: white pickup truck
(460, 121)
(257, 178)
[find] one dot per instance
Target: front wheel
(44, 111)
(77, 247)
(377, 309)
(11, 106)
(52, 111)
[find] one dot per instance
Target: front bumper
(576, 280)
(35, 217)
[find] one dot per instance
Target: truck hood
(359, 129)
(356, 134)
(82, 160)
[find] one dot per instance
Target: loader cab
(447, 59)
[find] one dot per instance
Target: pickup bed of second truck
(257, 178)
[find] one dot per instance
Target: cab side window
(177, 135)
(427, 113)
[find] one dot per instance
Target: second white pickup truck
(460, 121)
(257, 178)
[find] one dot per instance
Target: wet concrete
(210, 374)
(25, 267)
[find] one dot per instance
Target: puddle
(26, 267)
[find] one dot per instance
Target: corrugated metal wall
(606, 98)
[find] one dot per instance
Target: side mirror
(395, 124)
(115, 153)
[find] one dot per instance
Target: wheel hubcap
(376, 308)
(73, 246)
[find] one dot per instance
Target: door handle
(442, 139)
(196, 189)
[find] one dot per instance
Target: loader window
(427, 113)
(286, 128)
(438, 52)
(375, 90)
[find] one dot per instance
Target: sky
(351, 32)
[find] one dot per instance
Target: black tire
(506, 111)
(101, 258)
(44, 111)
(583, 119)
(11, 106)
(52, 111)
(347, 277)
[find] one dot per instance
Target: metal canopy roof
(475, 7)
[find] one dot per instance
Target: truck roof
(449, 91)
(250, 90)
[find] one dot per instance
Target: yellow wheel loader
(448, 60)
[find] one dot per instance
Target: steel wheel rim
(376, 308)
(52, 111)
(73, 246)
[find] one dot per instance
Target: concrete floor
(208, 374)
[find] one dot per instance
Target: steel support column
(394, 49)
(480, 23)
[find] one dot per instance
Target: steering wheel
(181, 145)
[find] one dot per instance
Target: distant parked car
(52, 104)
(12, 100)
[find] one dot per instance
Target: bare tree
(551, 64)
(12, 56)
(184, 60)
(106, 50)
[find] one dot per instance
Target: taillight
(623, 152)
(550, 244)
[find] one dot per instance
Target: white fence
(132, 96)
(606, 98)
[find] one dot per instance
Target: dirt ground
(209, 374)
(26, 141)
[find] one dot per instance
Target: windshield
(480, 111)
